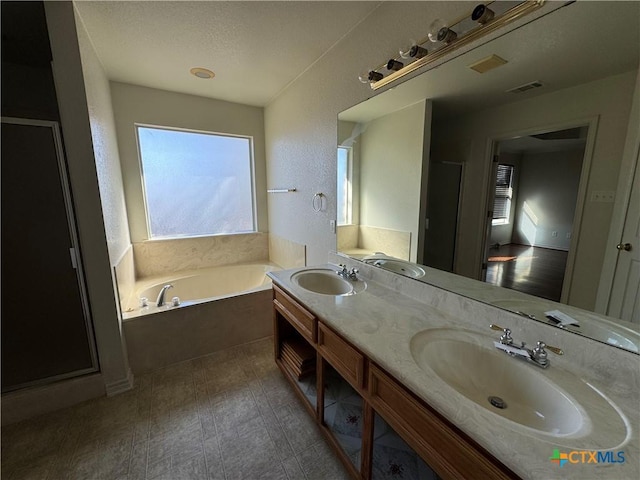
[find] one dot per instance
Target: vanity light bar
(492, 25)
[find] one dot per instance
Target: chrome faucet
(349, 275)
(160, 300)
(538, 355)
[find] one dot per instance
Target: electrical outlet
(569, 236)
(554, 234)
(603, 196)
(332, 226)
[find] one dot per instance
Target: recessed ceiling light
(202, 72)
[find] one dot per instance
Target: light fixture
(202, 72)
(447, 37)
(418, 52)
(394, 65)
(482, 14)
(370, 76)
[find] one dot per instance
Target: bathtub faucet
(160, 301)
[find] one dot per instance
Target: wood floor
(534, 270)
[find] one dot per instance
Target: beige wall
(133, 104)
(301, 124)
(608, 100)
(549, 186)
(391, 170)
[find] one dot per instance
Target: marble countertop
(382, 320)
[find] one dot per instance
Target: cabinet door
(392, 457)
(348, 361)
(46, 330)
(301, 319)
(344, 416)
(451, 454)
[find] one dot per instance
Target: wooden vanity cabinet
(293, 325)
(439, 443)
(446, 450)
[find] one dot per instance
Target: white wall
(608, 100)
(74, 115)
(105, 147)
(391, 171)
(301, 124)
(549, 186)
(134, 104)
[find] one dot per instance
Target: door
(625, 294)
(46, 331)
(442, 210)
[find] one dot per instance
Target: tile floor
(229, 415)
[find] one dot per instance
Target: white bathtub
(198, 286)
(219, 308)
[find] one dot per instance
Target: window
(503, 196)
(196, 183)
(344, 186)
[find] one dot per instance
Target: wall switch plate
(603, 196)
(332, 226)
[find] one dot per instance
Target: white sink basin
(326, 282)
(402, 267)
(548, 402)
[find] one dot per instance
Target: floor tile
(229, 415)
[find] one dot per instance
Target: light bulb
(435, 27)
(405, 51)
(364, 76)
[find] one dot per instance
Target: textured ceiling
(255, 48)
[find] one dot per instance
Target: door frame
(74, 252)
(492, 149)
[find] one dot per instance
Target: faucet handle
(541, 346)
(505, 338)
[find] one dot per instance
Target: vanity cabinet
(378, 428)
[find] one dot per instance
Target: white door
(624, 302)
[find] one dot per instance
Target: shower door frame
(74, 252)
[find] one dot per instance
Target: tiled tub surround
(158, 257)
(198, 286)
(225, 416)
(382, 320)
(190, 331)
(361, 240)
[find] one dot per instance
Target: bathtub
(219, 307)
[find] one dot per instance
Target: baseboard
(30, 402)
(120, 386)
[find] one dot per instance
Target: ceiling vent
(488, 63)
(525, 87)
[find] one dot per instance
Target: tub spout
(160, 301)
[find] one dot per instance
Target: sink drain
(497, 402)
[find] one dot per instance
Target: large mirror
(507, 177)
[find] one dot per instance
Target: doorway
(534, 199)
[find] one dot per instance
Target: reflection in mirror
(508, 176)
